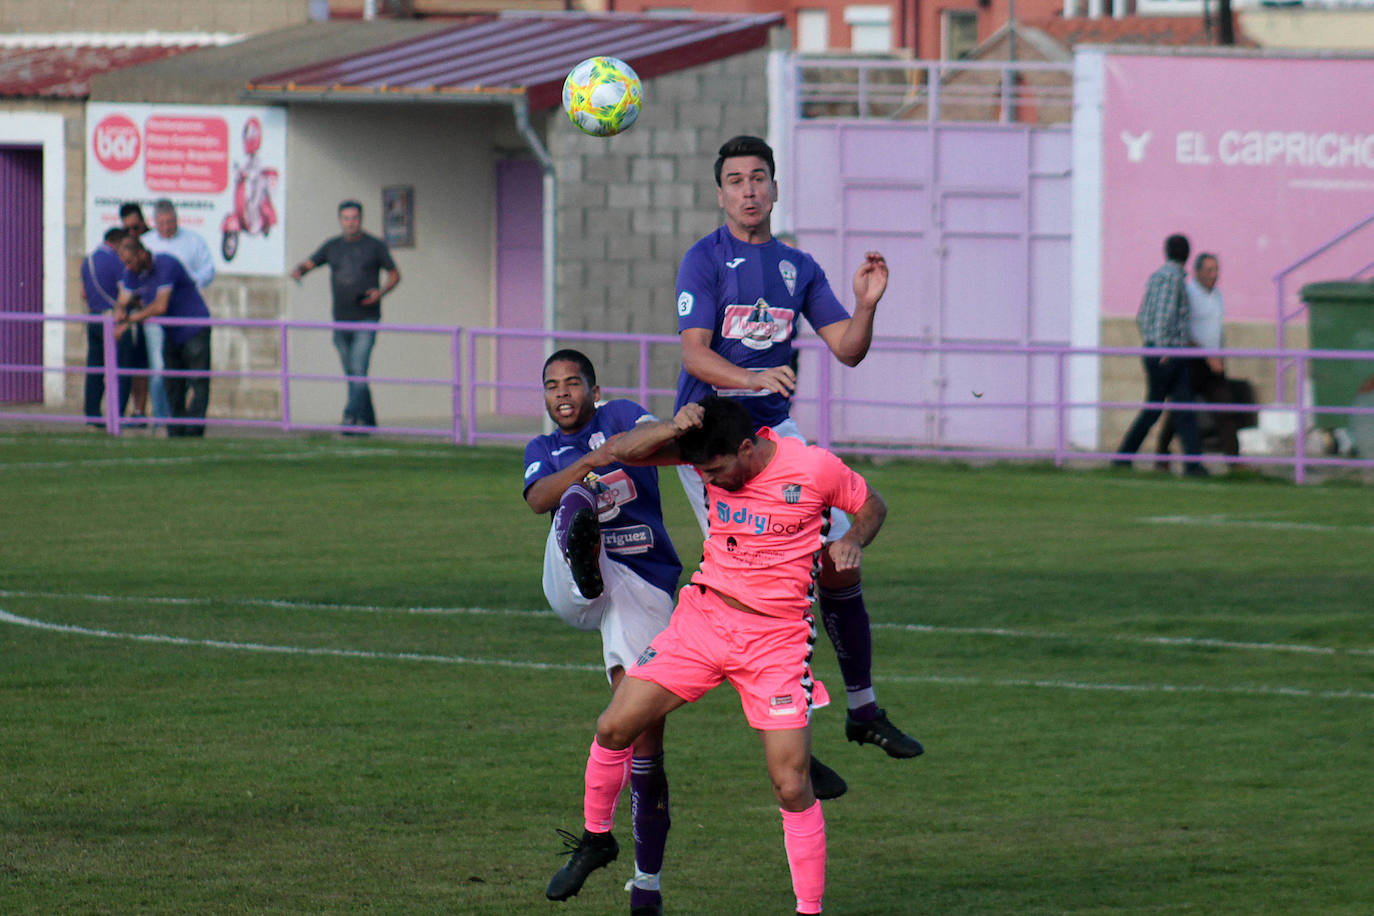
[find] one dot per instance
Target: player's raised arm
(544, 493)
(655, 442)
(849, 340)
(863, 528)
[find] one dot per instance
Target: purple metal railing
(463, 381)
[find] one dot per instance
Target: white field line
(1191, 641)
(996, 632)
(1228, 521)
(6, 617)
(14, 619)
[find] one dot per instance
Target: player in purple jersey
(740, 295)
(610, 566)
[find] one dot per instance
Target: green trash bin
(1340, 316)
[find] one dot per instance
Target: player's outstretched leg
(804, 837)
(579, 536)
(846, 621)
(649, 811)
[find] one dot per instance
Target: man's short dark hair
(1204, 256)
(164, 205)
(725, 426)
(353, 204)
(745, 145)
(115, 235)
(584, 365)
(1176, 248)
(125, 209)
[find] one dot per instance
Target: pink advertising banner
(1258, 160)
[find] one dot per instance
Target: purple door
(21, 267)
(519, 280)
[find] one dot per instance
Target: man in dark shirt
(356, 261)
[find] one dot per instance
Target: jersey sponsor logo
(749, 519)
(684, 303)
(531, 469)
(791, 493)
(646, 656)
(789, 276)
(613, 491)
(757, 326)
(630, 540)
(734, 262)
(558, 451)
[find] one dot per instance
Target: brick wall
(630, 206)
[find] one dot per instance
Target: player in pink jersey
(744, 618)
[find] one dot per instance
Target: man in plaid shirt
(1163, 322)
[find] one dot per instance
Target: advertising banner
(1258, 160)
(222, 166)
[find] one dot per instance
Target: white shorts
(629, 613)
(696, 490)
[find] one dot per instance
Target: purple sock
(649, 811)
(846, 620)
(574, 498)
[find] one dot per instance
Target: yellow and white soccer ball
(602, 96)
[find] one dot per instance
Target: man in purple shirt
(741, 296)
(100, 274)
(164, 288)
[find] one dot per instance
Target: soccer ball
(602, 96)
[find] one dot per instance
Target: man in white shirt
(194, 254)
(1206, 321)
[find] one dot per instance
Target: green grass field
(314, 675)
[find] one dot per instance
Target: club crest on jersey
(791, 493)
(789, 276)
(596, 440)
(757, 326)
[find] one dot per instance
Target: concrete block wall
(630, 206)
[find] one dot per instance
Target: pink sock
(803, 834)
(607, 774)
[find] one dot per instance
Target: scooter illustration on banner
(253, 213)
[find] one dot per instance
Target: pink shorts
(766, 659)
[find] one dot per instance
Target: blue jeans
(355, 352)
(156, 336)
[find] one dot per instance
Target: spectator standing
(1206, 323)
(356, 262)
(1163, 321)
(131, 217)
(163, 286)
(100, 274)
(192, 251)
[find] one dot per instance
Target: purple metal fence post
(469, 394)
(823, 436)
(456, 350)
(644, 373)
(1300, 428)
(285, 380)
(1060, 416)
(111, 371)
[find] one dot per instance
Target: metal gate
(974, 219)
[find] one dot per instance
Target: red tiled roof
(530, 53)
(65, 71)
(1180, 31)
